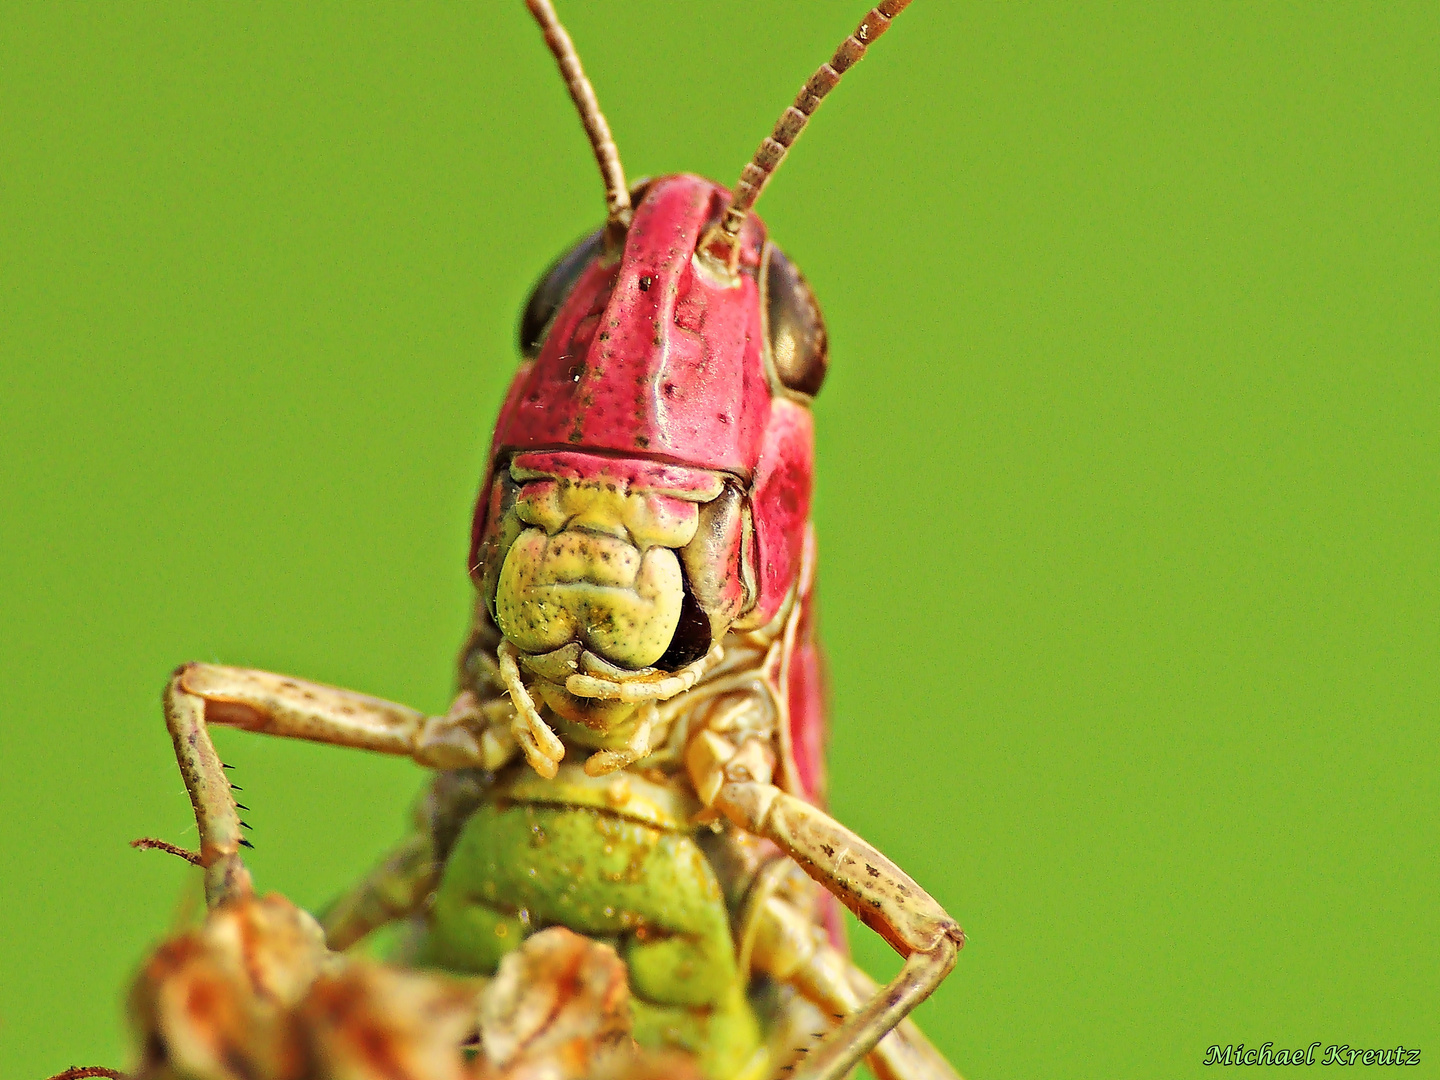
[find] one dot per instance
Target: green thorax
(615, 858)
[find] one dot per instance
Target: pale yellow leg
(215, 812)
(904, 1054)
(790, 948)
(201, 694)
(879, 893)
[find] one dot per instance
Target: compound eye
(552, 289)
(799, 351)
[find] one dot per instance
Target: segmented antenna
(617, 195)
(723, 243)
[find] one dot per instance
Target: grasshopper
(635, 753)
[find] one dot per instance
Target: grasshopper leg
(203, 694)
(404, 881)
(879, 893)
(215, 812)
(790, 948)
(395, 889)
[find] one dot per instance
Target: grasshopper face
(651, 470)
(596, 564)
(651, 467)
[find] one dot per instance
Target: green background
(1127, 467)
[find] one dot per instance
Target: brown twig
(79, 1072)
(146, 843)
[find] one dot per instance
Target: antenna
(722, 243)
(617, 195)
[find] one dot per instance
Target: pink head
(650, 472)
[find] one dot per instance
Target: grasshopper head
(650, 471)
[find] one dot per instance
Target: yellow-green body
(614, 858)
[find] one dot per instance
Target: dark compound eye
(798, 347)
(554, 286)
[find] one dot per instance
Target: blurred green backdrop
(1127, 490)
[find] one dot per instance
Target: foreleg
(789, 947)
(879, 893)
(201, 694)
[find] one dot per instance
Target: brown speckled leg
(202, 694)
(880, 894)
(791, 948)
